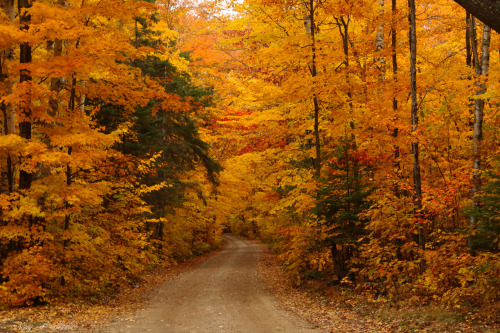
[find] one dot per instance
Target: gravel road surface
(224, 294)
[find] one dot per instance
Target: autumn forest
(358, 139)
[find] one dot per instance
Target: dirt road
(225, 294)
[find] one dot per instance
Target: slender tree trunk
(8, 111)
(481, 75)
(56, 82)
(379, 45)
(25, 76)
(67, 217)
(468, 37)
(310, 26)
(82, 97)
(7, 129)
(472, 56)
(69, 179)
(473, 42)
(417, 180)
(395, 132)
(379, 42)
(343, 27)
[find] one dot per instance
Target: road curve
(225, 294)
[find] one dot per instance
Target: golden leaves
(83, 209)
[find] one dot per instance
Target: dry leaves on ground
(83, 315)
(343, 313)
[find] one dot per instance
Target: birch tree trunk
(82, 97)
(379, 42)
(481, 75)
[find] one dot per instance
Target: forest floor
(224, 292)
(337, 311)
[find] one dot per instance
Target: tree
(423, 156)
(481, 69)
(417, 179)
(84, 225)
(487, 235)
(311, 7)
(341, 200)
(25, 78)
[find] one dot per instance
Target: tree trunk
(25, 76)
(473, 43)
(56, 82)
(67, 217)
(379, 42)
(69, 178)
(481, 74)
(9, 112)
(417, 180)
(82, 98)
(343, 27)
(310, 27)
(468, 37)
(471, 59)
(395, 132)
(340, 258)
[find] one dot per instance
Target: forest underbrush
(339, 308)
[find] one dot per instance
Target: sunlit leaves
(267, 101)
(83, 226)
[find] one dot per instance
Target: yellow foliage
(29, 272)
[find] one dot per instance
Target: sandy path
(225, 294)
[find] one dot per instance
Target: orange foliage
(269, 57)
